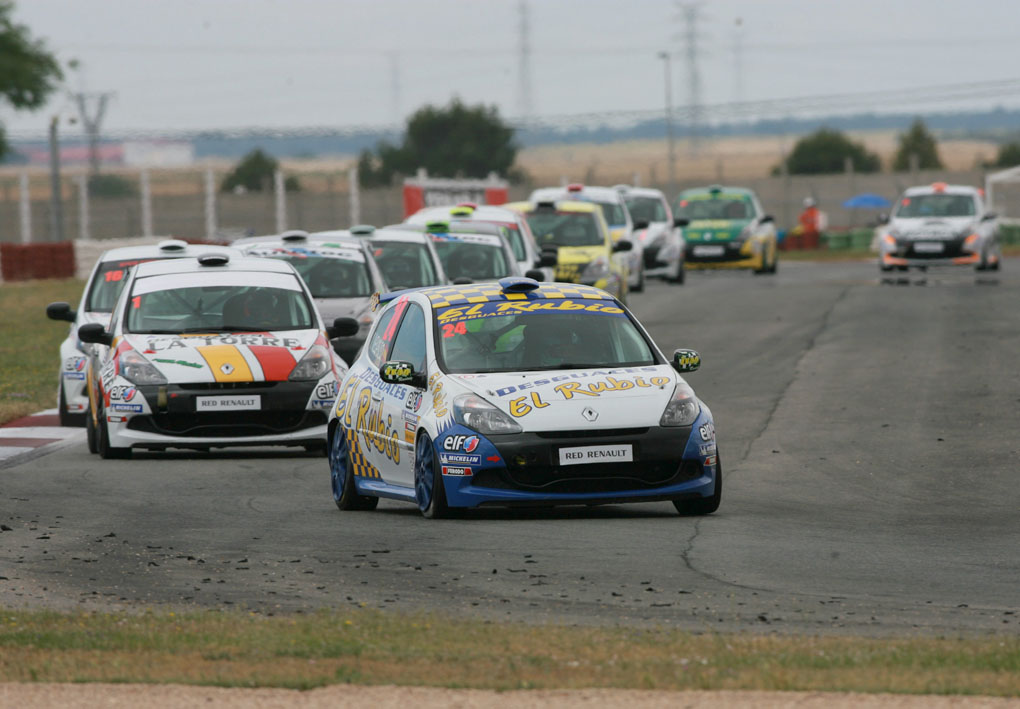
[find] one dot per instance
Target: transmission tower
(524, 61)
(394, 59)
(91, 109)
(690, 14)
(738, 60)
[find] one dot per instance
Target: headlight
(596, 270)
(478, 414)
(137, 370)
(312, 366)
(682, 409)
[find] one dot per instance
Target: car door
(404, 410)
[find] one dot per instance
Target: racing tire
(640, 287)
(429, 490)
(105, 450)
(91, 435)
(703, 505)
(994, 265)
(67, 418)
(764, 266)
(677, 278)
(341, 477)
(882, 268)
(774, 268)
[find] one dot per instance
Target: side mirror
(883, 218)
(95, 333)
(623, 245)
(535, 274)
(989, 216)
(462, 281)
(60, 311)
(343, 327)
(767, 219)
(639, 225)
(398, 372)
(549, 257)
(681, 221)
(686, 361)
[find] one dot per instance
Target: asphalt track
(869, 435)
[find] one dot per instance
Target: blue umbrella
(868, 200)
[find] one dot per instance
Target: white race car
(101, 292)
(662, 241)
(518, 393)
(211, 352)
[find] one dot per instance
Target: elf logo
(461, 443)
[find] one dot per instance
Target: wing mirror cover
(396, 371)
(60, 311)
(681, 221)
(622, 245)
(548, 257)
(343, 327)
(95, 333)
(686, 361)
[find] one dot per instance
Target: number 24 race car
(518, 393)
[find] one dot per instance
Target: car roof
(481, 212)
(168, 248)
(444, 296)
(943, 188)
(562, 205)
(324, 248)
(469, 237)
(396, 233)
(722, 189)
(643, 192)
(193, 265)
(605, 194)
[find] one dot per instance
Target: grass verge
(369, 647)
(30, 345)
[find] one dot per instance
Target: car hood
(332, 308)
(569, 399)
(714, 229)
(653, 233)
(941, 228)
(225, 357)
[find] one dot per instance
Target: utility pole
(92, 120)
(738, 61)
(665, 57)
(691, 13)
(524, 60)
(56, 189)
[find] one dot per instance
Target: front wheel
(704, 505)
(678, 277)
(429, 491)
(91, 435)
(66, 417)
(106, 451)
(341, 476)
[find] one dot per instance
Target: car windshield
(647, 209)
(539, 334)
(404, 264)
(718, 206)
(184, 303)
(935, 205)
(470, 259)
(329, 273)
(553, 228)
(614, 213)
(108, 283)
(516, 240)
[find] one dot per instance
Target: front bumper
(524, 469)
(734, 255)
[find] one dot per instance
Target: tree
(825, 151)
(917, 141)
(254, 173)
(1009, 155)
(28, 71)
(451, 141)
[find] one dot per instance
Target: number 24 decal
(449, 329)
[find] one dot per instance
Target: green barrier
(1009, 234)
(837, 240)
(860, 239)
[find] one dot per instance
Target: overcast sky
(196, 64)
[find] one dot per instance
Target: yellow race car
(574, 238)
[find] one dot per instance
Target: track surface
(872, 459)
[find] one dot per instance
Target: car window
(552, 228)
(647, 209)
(715, 207)
(108, 283)
(404, 264)
(410, 345)
(936, 205)
(614, 213)
(329, 273)
(465, 259)
(382, 337)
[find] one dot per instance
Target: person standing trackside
(811, 222)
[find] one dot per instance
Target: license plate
(228, 403)
(580, 455)
(709, 250)
(929, 247)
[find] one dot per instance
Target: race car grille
(227, 423)
(608, 477)
(208, 386)
(951, 248)
(593, 433)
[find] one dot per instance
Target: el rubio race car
(211, 352)
(518, 393)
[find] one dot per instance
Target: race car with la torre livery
(212, 352)
(517, 393)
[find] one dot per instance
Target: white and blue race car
(518, 393)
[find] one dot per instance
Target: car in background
(574, 237)
(407, 259)
(339, 271)
(662, 241)
(519, 393)
(517, 232)
(940, 225)
(726, 227)
(617, 217)
(211, 352)
(470, 252)
(109, 274)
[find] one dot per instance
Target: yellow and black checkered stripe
(359, 463)
(486, 292)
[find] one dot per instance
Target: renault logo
(226, 368)
(590, 414)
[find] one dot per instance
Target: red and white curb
(30, 436)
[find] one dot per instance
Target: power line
(690, 12)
